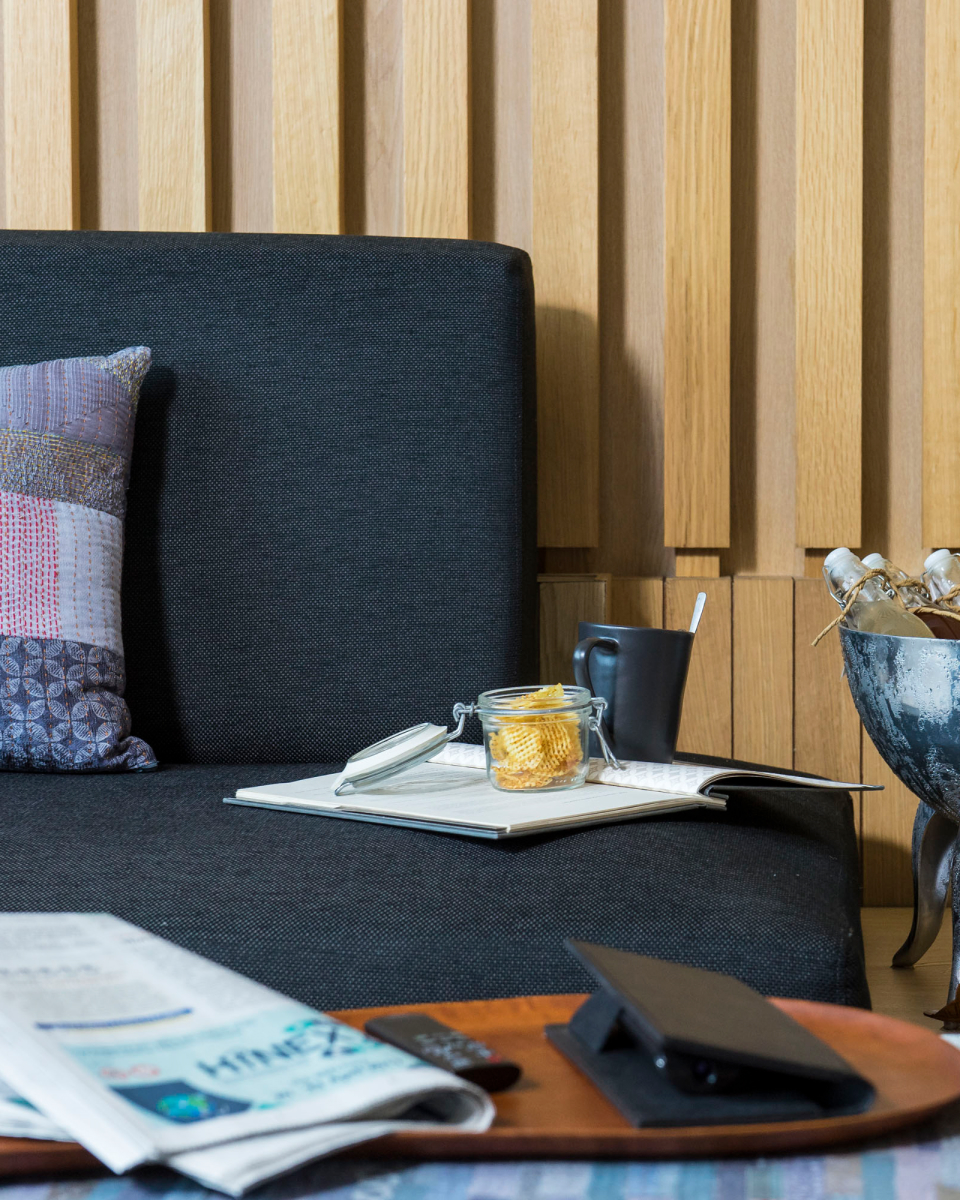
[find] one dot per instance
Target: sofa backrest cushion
(330, 525)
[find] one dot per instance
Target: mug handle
(581, 673)
(581, 660)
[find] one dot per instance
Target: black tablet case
(651, 1012)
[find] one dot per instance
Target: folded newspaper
(146, 1053)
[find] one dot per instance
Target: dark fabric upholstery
(340, 914)
(330, 534)
(330, 530)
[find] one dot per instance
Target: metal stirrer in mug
(697, 611)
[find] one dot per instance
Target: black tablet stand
(671, 1045)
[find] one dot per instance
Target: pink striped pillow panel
(60, 570)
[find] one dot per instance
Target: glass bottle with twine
(912, 590)
(866, 600)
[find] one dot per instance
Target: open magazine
(144, 1052)
(451, 794)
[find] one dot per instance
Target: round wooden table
(555, 1112)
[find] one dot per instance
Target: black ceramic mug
(641, 673)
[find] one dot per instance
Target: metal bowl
(907, 692)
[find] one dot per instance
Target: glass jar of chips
(538, 740)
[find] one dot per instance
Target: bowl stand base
(935, 864)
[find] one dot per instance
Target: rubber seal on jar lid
(393, 754)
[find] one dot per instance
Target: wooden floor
(905, 992)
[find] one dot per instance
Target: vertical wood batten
(631, 107)
(941, 276)
(826, 725)
(381, 123)
(41, 114)
(106, 40)
(887, 829)
(565, 52)
(828, 270)
(3, 152)
(436, 118)
(697, 259)
(241, 115)
(500, 100)
(762, 357)
(173, 115)
(893, 137)
(763, 670)
(694, 563)
(565, 601)
(636, 602)
(707, 724)
(307, 116)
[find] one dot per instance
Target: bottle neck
(873, 590)
(845, 575)
(945, 576)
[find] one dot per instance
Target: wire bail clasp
(599, 705)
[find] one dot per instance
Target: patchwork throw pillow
(66, 435)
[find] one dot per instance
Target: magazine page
(145, 1052)
(680, 778)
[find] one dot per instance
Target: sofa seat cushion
(343, 914)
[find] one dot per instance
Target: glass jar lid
(393, 754)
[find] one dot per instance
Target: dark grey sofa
(331, 536)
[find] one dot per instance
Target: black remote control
(444, 1047)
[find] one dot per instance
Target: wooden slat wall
(886, 830)
(763, 670)
(829, 210)
(707, 724)
(826, 725)
(436, 118)
(564, 602)
(307, 122)
(762, 237)
(566, 250)
(893, 280)
(636, 602)
(107, 51)
(41, 114)
(941, 267)
(725, 201)
(173, 114)
(696, 491)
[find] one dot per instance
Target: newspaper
(19, 1119)
(145, 1052)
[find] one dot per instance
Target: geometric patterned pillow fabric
(66, 435)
